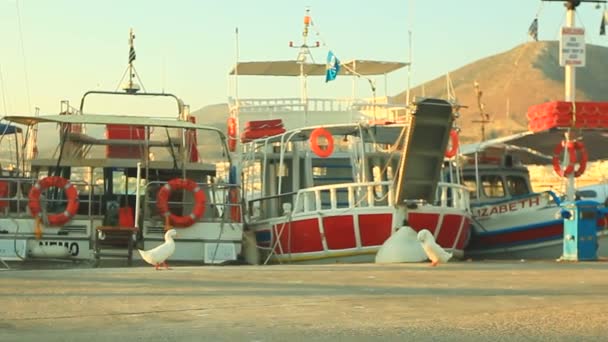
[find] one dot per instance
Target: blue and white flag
(332, 68)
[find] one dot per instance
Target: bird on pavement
(433, 251)
(158, 256)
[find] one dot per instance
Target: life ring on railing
(314, 142)
(454, 149)
(557, 152)
(231, 134)
(582, 164)
(235, 206)
(162, 201)
(57, 219)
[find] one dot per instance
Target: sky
(57, 50)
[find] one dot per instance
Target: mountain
(514, 80)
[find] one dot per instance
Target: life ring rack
(162, 202)
(314, 142)
(71, 193)
(231, 129)
(235, 206)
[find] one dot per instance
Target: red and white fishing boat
(98, 185)
(330, 180)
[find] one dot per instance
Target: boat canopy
(538, 147)
(100, 119)
(9, 129)
(292, 68)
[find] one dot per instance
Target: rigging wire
(3, 90)
(27, 83)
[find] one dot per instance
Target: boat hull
(354, 236)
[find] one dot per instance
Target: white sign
(572, 47)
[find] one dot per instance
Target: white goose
(435, 253)
(157, 256)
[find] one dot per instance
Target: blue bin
(580, 230)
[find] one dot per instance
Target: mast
(484, 117)
(131, 87)
(303, 56)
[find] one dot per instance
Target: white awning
(99, 119)
(292, 68)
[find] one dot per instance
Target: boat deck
(463, 301)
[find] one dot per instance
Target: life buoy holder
(235, 206)
(454, 149)
(162, 202)
(584, 157)
(231, 134)
(314, 142)
(56, 219)
(557, 152)
(3, 193)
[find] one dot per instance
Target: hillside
(510, 81)
(514, 80)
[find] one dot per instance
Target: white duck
(157, 256)
(435, 253)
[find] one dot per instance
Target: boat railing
(450, 195)
(14, 198)
(312, 104)
(346, 196)
(222, 202)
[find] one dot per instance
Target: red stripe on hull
(298, 237)
(420, 221)
(513, 237)
(464, 236)
(339, 232)
(449, 230)
(374, 229)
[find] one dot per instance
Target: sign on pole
(572, 47)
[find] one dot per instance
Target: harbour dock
(460, 301)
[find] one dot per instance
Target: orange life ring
(231, 134)
(582, 164)
(235, 206)
(559, 148)
(314, 142)
(162, 201)
(454, 139)
(57, 219)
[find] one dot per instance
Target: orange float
(454, 149)
(314, 142)
(162, 201)
(56, 219)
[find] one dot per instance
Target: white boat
(330, 180)
(103, 174)
(511, 221)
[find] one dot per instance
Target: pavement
(460, 301)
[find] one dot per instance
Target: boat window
(471, 185)
(493, 186)
(517, 186)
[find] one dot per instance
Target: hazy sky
(187, 47)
